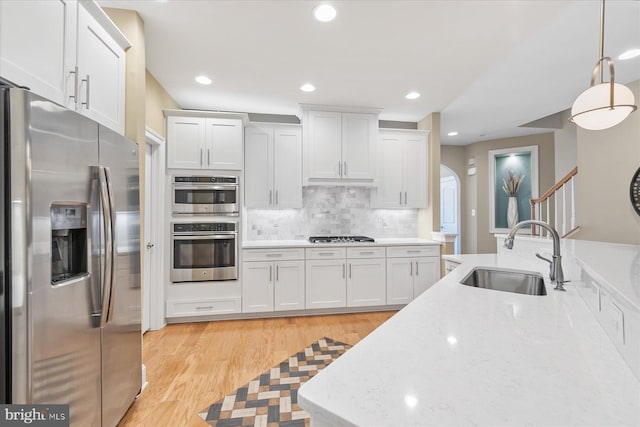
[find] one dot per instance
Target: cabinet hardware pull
(274, 255)
(339, 168)
(349, 270)
(86, 103)
(201, 157)
(270, 197)
(345, 168)
(411, 264)
(417, 273)
(75, 85)
(208, 307)
(271, 273)
(209, 163)
(401, 198)
(277, 273)
(405, 197)
(276, 197)
(325, 253)
(413, 252)
(366, 253)
(343, 270)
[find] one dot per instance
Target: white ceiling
(487, 66)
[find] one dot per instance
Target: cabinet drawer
(366, 252)
(449, 266)
(326, 253)
(412, 251)
(273, 254)
(203, 307)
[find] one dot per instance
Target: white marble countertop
(459, 355)
(262, 244)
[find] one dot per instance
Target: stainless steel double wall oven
(204, 246)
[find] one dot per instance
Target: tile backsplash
(331, 211)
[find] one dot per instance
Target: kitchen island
(459, 355)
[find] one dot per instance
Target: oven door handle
(206, 187)
(208, 237)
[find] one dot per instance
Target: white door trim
(156, 309)
(458, 246)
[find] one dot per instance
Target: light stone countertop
(267, 244)
(464, 356)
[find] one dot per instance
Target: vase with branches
(511, 185)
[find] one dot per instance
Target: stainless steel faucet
(555, 273)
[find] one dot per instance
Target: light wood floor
(192, 365)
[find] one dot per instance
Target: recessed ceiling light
(307, 87)
(454, 133)
(412, 95)
(631, 53)
(324, 13)
(203, 80)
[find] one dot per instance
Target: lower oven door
(197, 258)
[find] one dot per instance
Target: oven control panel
(205, 179)
(204, 226)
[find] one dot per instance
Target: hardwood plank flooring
(192, 365)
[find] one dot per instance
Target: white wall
(565, 146)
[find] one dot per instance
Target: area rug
(271, 399)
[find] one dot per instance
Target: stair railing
(564, 219)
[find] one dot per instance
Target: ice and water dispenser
(69, 242)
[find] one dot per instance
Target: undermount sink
(520, 282)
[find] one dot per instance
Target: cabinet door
(415, 172)
(324, 156)
(366, 282)
(287, 168)
(38, 47)
(185, 142)
(223, 144)
(389, 192)
(289, 285)
(258, 174)
(427, 273)
(257, 286)
(326, 285)
(358, 145)
(399, 280)
(101, 69)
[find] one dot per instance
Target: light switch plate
(617, 321)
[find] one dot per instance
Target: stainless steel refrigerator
(70, 276)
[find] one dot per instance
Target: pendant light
(606, 104)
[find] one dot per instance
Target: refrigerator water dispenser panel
(69, 242)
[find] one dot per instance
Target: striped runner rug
(271, 399)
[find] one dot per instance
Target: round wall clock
(634, 191)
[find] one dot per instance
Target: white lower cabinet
(399, 281)
(366, 282)
(326, 283)
(409, 276)
(272, 285)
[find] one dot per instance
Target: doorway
(153, 288)
(450, 204)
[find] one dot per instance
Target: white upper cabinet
(401, 170)
(273, 167)
(101, 73)
(66, 51)
(204, 140)
(38, 46)
(339, 146)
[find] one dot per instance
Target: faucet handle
(543, 258)
(560, 285)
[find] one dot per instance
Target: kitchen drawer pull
(86, 103)
(366, 253)
(401, 197)
(326, 253)
(208, 307)
(276, 197)
(349, 270)
(201, 157)
(411, 265)
(274, 255)
(270, 197)
(270, 273)
(417, 274)
(343, 270)
(414, 252)
(75, 85)
(277, 273)
(405, 197)
(339, 168)
(345, 168)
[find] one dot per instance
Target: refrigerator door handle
(114, 247)
(108, 251)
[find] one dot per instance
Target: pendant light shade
(606, 104)
(593, 110)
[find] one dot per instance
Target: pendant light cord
(601, 38)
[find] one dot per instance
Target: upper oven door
(204, 257)
(221, 199)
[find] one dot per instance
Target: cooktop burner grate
(340, 239)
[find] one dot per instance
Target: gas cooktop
(340, 239)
